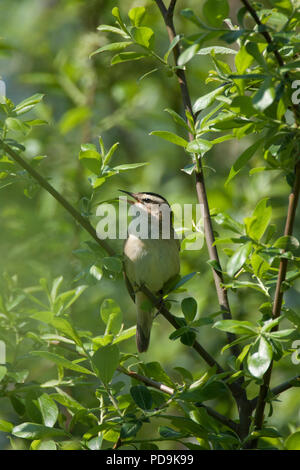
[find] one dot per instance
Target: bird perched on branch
(151, 256)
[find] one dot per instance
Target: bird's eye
(147, 200)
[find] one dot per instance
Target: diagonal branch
(294, 382)
(265, 33)
(172, 319)
(90, 229)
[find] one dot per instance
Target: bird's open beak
(129, 194)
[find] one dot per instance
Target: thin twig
(170, 391)
(219, 417)
(152, 383)
(294, 382)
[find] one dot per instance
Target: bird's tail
(144, 321)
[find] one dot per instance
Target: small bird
(149, 260)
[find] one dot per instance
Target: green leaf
(293, 441)
(130, 429)
(95, 443)
(17, 126)
(126, 334)
(188, 54)
(55, 288)
(206, 100)
(103, 340)
(183, 280)
(260, 265)
(127, 56)
(142, 396)
(136, 15)
(295, 65)
(216, 11)
(66, 400)
(109, 154)
(184, 373)
(232, 36)
(155, 371)
(179, 332)
(259, 358)
(29, 103)
(178, 119)
(253, 49)
(282, 333)
(60, 324)
(200, 146)
(169, 433)
(106, 360)
(243, 159)
(111, 315)
(171, 137)
(3, 371)
(237, 261)
(229, 223)
(265, 96)
(216, 50)
(130, 166)
(173, 43)
(143, 35)
(287, 243)
(112, 263)
(96, 272)
(188, 338)
(108, 307)
(6, 426)
(114, 46)
(236, 326)
(112, 29)
(190, 15)
(243, 60)
(91, 159)
(189, 308)
(243, 105)
(36, 431)
(256, 224)
(43, 445)
(207, 392)
(292, 316)
(48, 409)
(189, 169)
(116, 13)
(61, 361)
(266, 432)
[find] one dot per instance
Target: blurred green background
(44, 48)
